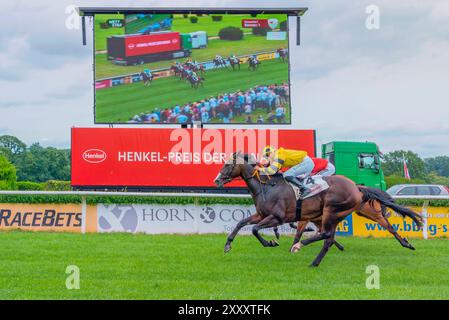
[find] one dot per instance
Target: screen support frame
(83, 30)
(91, 11)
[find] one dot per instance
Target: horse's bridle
(254, 175)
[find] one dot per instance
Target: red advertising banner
(102, 84)
(254, 23)
(169, 157)
(152, 43)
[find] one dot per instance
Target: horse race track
(125, 266)
(119, 104)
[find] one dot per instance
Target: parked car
(418, 190)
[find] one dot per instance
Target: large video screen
(182, 68)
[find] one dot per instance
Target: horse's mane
(249, 159)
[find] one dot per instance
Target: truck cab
(358, 161)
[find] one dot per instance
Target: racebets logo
(47, 218)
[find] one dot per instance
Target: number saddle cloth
(316, 184)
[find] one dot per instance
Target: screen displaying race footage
(183, 68)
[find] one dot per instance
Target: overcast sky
(389, 85)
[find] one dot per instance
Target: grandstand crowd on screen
(224, 107)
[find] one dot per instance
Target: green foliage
(30, 185)
(419, 203)
(260, 31)
(193, 19)
(12, 145)
(434, 178)
(440, 165)
(393, 164)
(36, 163)
(57, 185)
(217, 18)
(283, 25)
(8, 176)
(231, 33)
(41, 164)
(120, 199)
(395, 179)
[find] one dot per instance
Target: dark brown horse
(282, 54)
(374, 207)
(275, 203)
(234, 62)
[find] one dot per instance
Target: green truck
(359, 161)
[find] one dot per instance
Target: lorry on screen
(134, 49)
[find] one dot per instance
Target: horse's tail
(371, 194)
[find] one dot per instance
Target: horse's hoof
(277, 235)
(408, 244)
(274, 243)
(296, 247)
(313, 265)
(227, 248)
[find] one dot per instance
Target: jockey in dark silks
(254, 59)
(219, 58)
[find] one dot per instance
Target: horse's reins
(254, 175)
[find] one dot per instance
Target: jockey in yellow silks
(299, 163)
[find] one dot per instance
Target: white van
(199, 39)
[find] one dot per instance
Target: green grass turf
(119, 104)
(212, 28)
(249, 44)
(139, 24)
(126, 266)
(180, 24)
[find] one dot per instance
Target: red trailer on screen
(173, 158)
(141, 48)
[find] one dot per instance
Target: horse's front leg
(268, 222)
(255, 218)
(296, 246)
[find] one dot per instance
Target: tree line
(428, 170)
(27, 166)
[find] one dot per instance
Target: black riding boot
(302, 188)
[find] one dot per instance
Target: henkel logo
(131, 46)
(94, 155)
(174, 41)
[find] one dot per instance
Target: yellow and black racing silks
(282, 158)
